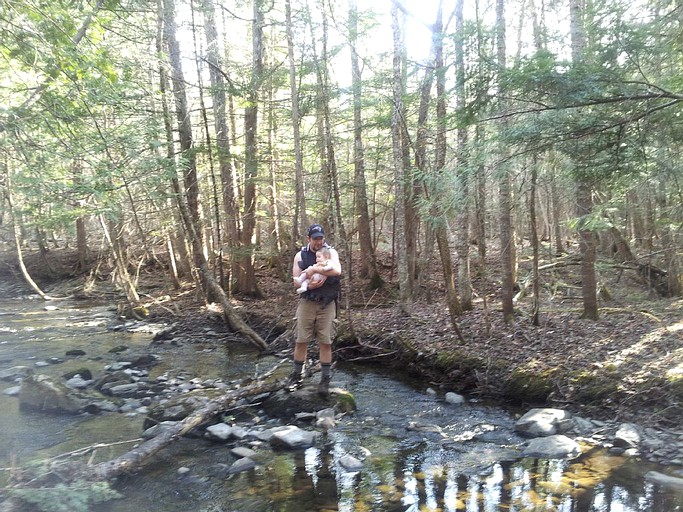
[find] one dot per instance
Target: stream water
(419, 453)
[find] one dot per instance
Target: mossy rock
(345, 402)
(529, 385)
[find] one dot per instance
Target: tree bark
(367, 251)
(189, 162)
(300, 220)
(224, 155)
(584, 189)
(584, 207)
(247, 277)
(463, 232)
(404, 277)
(534, 244)
(507, 238)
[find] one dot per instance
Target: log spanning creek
(404, 448)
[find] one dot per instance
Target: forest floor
(626, 366)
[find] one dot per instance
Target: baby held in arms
(322, 263)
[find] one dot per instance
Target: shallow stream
(419, 453)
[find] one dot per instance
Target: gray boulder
(219, 432)
(670, 482)
(15, 372)
(350, 463)
(541, 422)
(293, 438)
(552, 447)
(243, 464)
(40, 393)
(627, 436)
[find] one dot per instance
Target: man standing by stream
(316, 310)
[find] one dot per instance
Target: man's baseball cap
(316, 231)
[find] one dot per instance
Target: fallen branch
(134, 459)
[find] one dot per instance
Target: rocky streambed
(159, 376)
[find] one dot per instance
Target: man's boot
(324, 386)
(295, 381)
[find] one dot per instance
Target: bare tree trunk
(367, 252)
(463, 233)
(185, 262)
(584, 207)
(328, 152)
(17, 236)
(555, 199)
(113, 234)
(440, 231)
(225, 160)
(534, 243)
(480, 206)
(276, 228)
(81, 233)
(247, 277)
(300, 220)
(190, 179)
(584, 191)
(671, 254)
(404, 277)
(507, 238)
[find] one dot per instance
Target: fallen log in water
(66, 473)
(135, 458)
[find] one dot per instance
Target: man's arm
(296, 269)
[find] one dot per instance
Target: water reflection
(411, 483)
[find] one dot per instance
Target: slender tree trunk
(300, 220)
(463, 233)
(557, 211)
(440, 231)
(672, 255)
(367, 252)
(189, 163)
(247, 276)
(480, 204)
(584, 207)
(534, 244)
(507, 238)
(215, 235)
(276, 228)
(224, 155)
(584, 189)
(404, 277)
(183, 215)
(81, 232)
(16, 231)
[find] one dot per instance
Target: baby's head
(322, 255)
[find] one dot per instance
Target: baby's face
(319, 257)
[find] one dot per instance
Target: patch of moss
(405, 346)
(529, 385)
(447, 361)
(591, 387)
(345, 401)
